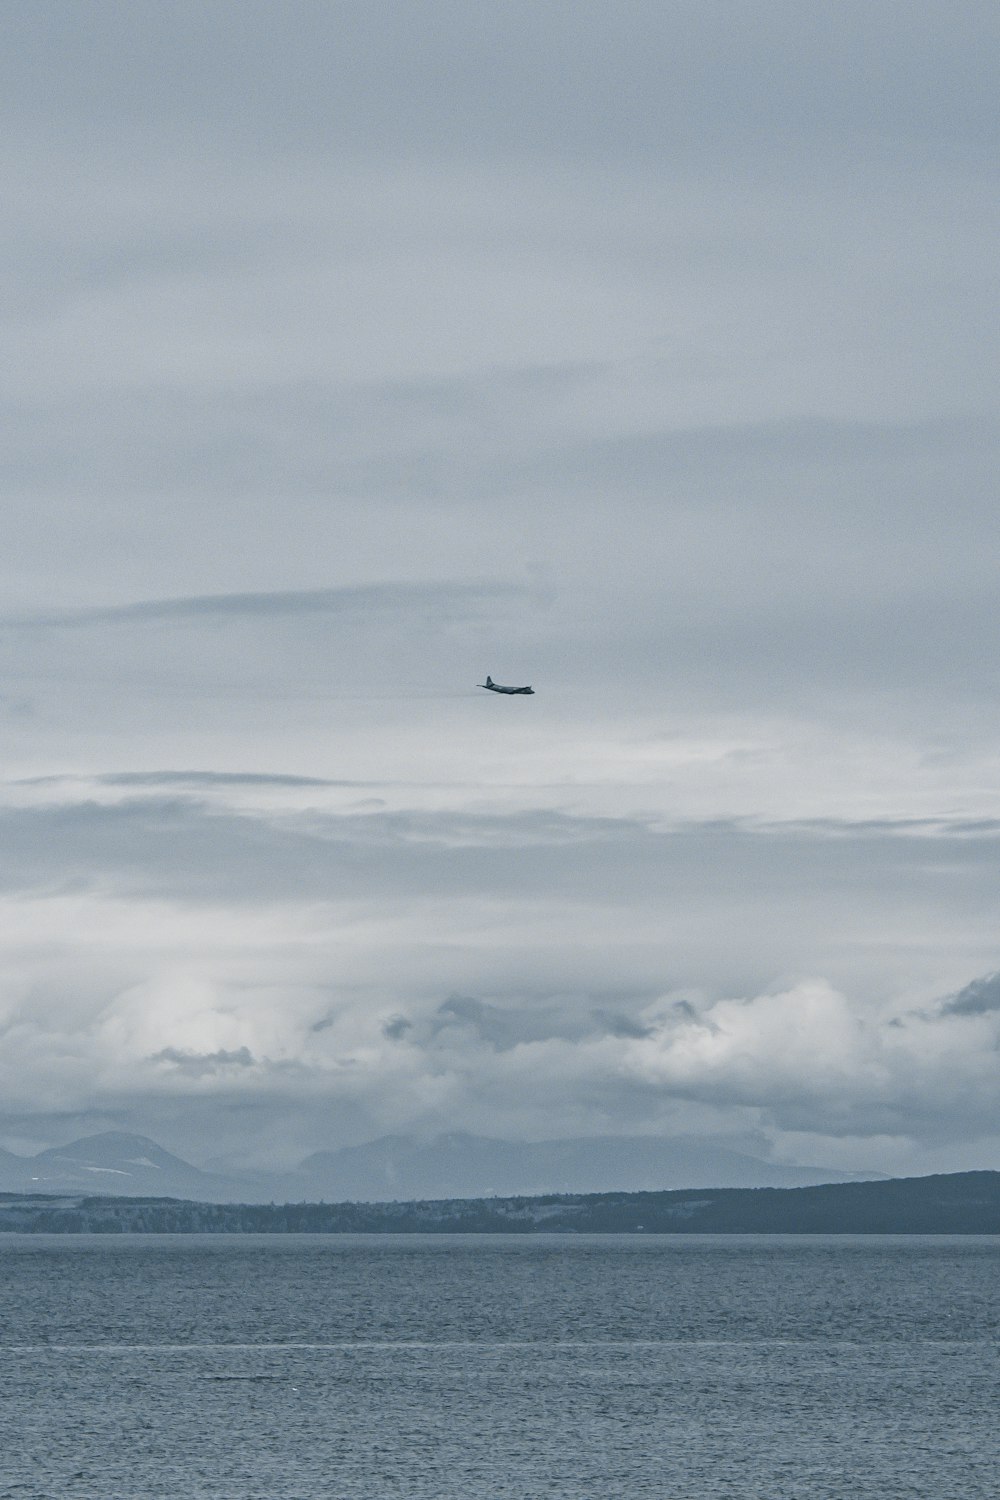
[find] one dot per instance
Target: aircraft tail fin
(489, 680)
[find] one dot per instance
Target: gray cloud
(980, 998)
(193, 779)
(499, 1028)
(212, 779)
(376, 597)
(175, 847)
(621, 1025)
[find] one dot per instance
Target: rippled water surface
(463, 1368)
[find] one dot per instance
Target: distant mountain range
(459, 1165)
(399, 1168)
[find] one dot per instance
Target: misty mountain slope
(14, 1172)
(460, 1165)
(112, 1162)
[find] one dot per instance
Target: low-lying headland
(953, 1203)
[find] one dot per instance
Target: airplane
(495, 687)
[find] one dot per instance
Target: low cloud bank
(806, 1061)
(284, 975)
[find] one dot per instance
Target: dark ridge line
(943, 1203)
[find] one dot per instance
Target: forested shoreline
(955, 1203)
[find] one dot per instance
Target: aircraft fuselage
(496, 687)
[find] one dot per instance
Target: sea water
(469, 1367)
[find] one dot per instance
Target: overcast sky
(645, 352)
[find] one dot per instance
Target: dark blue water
(464, 1368)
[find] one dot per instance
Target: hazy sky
(645, 352)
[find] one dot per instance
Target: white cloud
(812, 1058)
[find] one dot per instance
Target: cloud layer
(318, 964)
(643, 352)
